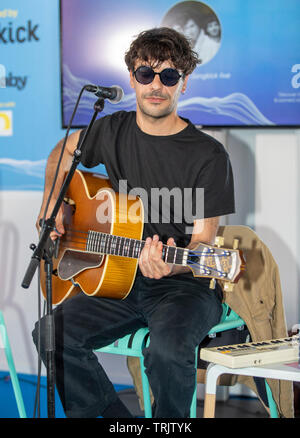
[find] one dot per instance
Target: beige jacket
(257, 299)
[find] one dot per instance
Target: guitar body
(99, 250)
(91, 204)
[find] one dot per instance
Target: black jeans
(179, 312)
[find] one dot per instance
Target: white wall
(266, 165)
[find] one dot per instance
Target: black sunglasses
(145, 75)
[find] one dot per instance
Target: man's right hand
(49, 177)
(59, 227)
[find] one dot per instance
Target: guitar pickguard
(73, 262)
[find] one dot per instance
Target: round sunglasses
(145, 75)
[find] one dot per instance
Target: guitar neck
(110, 244)
(204, 260)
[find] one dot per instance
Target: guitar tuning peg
(219, 241)
(228, 287)
(235, 243)
(212, 283)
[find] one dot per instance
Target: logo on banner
(2, 76)
(296, 77)
(6, 128)
(21, 34)
(18, 82)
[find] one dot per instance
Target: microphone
(114, 94)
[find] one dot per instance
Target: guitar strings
(74, 248)
(82, 243)
(73, 241)
(193, 253)
(205, 254)
(77, 231)
(190, 262)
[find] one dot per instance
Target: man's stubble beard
(155, 113)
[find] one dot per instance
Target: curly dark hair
(162, 44)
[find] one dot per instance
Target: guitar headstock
(217, 263)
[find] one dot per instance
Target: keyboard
(254, 353)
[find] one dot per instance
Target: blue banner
(30, 116)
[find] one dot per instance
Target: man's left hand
(150, 262)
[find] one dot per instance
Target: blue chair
(133, 345)
(11, 366)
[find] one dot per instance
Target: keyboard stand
(280, 371)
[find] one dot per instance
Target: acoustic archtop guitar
(99, 251)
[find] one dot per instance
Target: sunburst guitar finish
(91, 204)
(99, 251)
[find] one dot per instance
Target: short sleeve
(92, 148)
(216, 178)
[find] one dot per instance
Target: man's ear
(131, 79)
(184, 84)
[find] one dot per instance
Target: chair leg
(212, 374)
(193, 410)
(146, 390)
(12, 370)
(209, 406)
(271, 402)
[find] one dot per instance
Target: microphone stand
(45, 250)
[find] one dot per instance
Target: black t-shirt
(167, 172)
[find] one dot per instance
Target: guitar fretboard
(103, 243)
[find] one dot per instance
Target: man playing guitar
(151, 148)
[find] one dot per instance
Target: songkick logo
(6, 128)
(20, 34)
